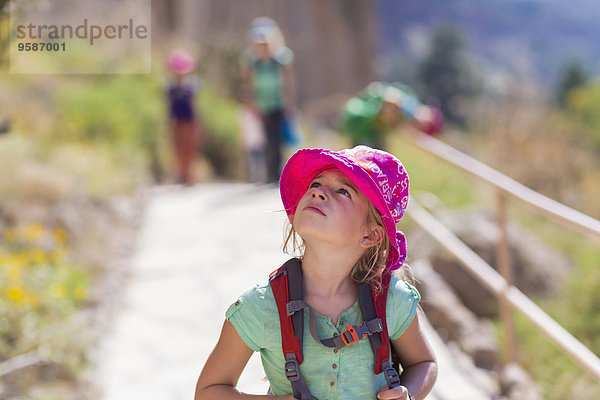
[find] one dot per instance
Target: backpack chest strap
(351, 335)
(286, 283)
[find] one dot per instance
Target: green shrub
(430, 174)
(221, 141)
(584, 104)
(127, 114)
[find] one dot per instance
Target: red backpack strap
(286, 283)
(279, 284)
(380, 300)
(373, 305)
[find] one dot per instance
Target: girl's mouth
(315, 209)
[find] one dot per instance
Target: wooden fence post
(505, 269)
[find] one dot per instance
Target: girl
(183, 119)
(343, 206)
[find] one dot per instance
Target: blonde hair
(368, 268)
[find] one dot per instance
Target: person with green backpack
(382, 107)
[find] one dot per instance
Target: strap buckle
(374, 325)
(276, 273)
(291, 368)
(391, 376)
(295, 305)
(354, 337)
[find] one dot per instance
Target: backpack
(286, 283)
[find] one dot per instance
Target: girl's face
(332, 210)
(262, 50)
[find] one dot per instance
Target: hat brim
(303, 166)
(186, 69)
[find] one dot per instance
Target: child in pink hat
(343, 207)
(183, 119)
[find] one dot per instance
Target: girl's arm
(224, 367)
(247, 88)
(418, 362)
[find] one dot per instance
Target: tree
(4, 30)
(584, 105)
(17, 7)
(572, 76)
(446, 74)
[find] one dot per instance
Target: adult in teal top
(330, 373)
(267, 75)
(268, 86)
(382, 107)
(343, 208)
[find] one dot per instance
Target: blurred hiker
(268, 88)
(324, 322)
(382, 107)
(185, 133)
(4, 126)
(253, 138)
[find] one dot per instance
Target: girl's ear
(375, 236)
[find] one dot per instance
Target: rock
(537, 269)
(484, 379)
(477, 298)
(516, 384)
(480, 343)
(453, 321)
(19, 373)
(472, 340)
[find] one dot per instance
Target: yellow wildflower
(57, 255)
(79, 292)
(4, 259)
(38, 256)
(33, 299)
(59, 290)
(59, 235)
(14, 273)
(20, 259)
(10, 234)
(34, 231)
(16, 294)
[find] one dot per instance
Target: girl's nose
(317, 192)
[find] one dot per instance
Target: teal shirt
(267, 79)
(343, 374)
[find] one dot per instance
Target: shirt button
(237, 303)
(341, 322)
(336, 334)
(334, 365)
(335, 350)
(332, 383)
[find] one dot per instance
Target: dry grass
(550, 153)
(542, 150)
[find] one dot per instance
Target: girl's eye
(344, 192)
(314, 184)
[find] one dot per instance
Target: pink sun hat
(181, 62)
(376, 173)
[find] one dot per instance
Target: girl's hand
(399, 392)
